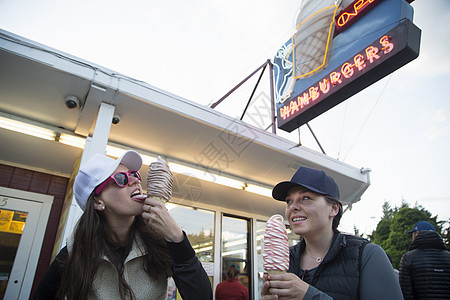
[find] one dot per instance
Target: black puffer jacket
(339, 274)
(425, 268)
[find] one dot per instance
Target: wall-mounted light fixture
(207, 176)
(259, 190)
(22, 127)
(72, 140)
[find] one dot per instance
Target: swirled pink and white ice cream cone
(276, 246)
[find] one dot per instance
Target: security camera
(72, 102)
(116, 119)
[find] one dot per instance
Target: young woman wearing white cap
(326, 264)
(117, 251)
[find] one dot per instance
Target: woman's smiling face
(308, 212)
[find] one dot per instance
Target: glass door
(21, 235)
(12, 223)
(236, 248)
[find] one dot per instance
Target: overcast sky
(200, 49)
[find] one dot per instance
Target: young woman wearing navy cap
(326, 264)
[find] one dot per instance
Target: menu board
(12, 221)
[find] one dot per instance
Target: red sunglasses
(120, 178)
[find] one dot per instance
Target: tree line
(391, 231)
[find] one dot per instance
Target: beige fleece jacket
(106, 282)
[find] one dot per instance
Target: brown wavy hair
(92, 242)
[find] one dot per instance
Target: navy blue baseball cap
(422, 225)
(314, 180)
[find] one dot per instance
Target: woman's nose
(133, 180)
(296, 205)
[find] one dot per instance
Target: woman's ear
(334, 209)
(99, 204)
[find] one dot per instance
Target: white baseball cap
(97, 169)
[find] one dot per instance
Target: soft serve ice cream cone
(276, 247)
(275, 272)
(159, 181)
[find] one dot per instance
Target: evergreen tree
(392, 230)
(381, 233)
(388, 212)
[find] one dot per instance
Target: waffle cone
(162, 200)
(275, 272)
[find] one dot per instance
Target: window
(199, 227)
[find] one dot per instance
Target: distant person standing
(231, 288)
(425, 268)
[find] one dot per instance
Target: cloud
(435, 124)
(432, 19)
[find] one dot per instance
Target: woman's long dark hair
(91, 242)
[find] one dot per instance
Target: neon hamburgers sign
(351, 66)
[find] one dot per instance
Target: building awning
(36, 79)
